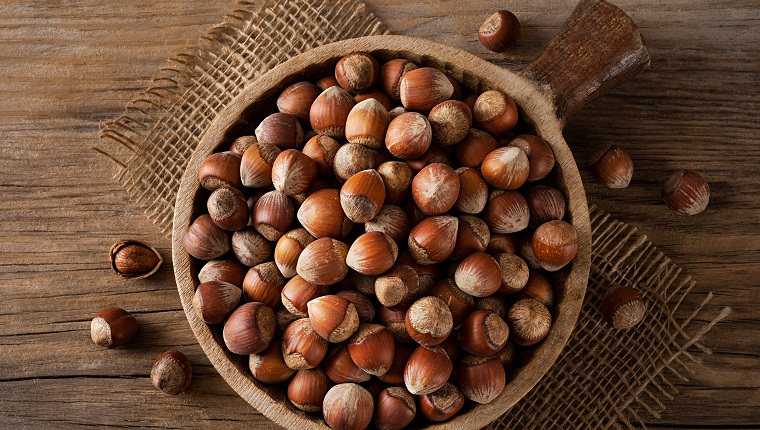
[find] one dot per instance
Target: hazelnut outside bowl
(545, 101)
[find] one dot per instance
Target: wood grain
(67, 66)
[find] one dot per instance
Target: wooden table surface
(65, 67)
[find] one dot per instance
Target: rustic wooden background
(67, 66)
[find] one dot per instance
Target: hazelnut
(297, 99)
(348, 406)
(341, 369)
(280, 129)
(269, 365)
(364, 307)
(398, 110)
(555, 243)
(362, 195)
(505, 168)
(623, 307)
(289, 248)
(330, 110)
(273, 215)
(256, 165)
(293, 172)
(307, 389)
(529, 322)
(495, 303)
(686, 192)
(225, 270)
(394, 321)
(397, 177)
(435, 189)
(297, 292)
(250, 247)
(204, 240)
(214, 300)
(502, 244)
(228, 208)
(366, 124)
(391, 73)
(391, 220)
(352, 159)
(409, 135)
(113, 327)
(525, 249)
(540, 155)
(429, 321)
(323, 262)
(322, 150)
(537, 287)
(362, 283)
(372, 253)
(357, 72)
(431, 156)
(506, 212)
(427, 370)
(372, 348)
(478, 275)
(514, 273)
(507, 355)
(322, 216)
(249, 329)
(442, 404)
(611, 166)
(473, 191)
(302, 347)
(545, 204)
(423, 88)
(264, 283)
(395, 375)
(450, 122)
(221, 169)
(376, 94)
(474, 147)
(135, 259)
(242, 143)
(483, 332)
(460, 304)
(327, 82)
(433, 239)
(500, 31)
(397, 287)
(395, 409)
(472, 236)
(481, 379)
(333, 317)
(171, 372)
(495, 112)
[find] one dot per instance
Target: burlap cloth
(603, 379)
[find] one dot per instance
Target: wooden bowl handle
(598, 47)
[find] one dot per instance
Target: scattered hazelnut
(348, 406)
(623, 307)
(225, 270)
(540, 155)
(228, 208)
(372, 348)
(242, 143)
(204, 240)
(427, 370)
(135, 259)
(429, 321)
(506, 168)
(500, 31)
(555, 244)
(323, 262)
(529, 322)
(333, 317)
(214, 300)
(537, 287)
(289, 248)
(269, 365)
(297, 99)
(502, 244)
(249, 329)
(450, 122)
(362, 283)
(460, 304)
(545, 204)
(514, 273)
(423, 88)
(367, 123)
(352, 159)
(481, 379)
(686, 192)
(340, 368)
(394, 321)
(113, 327)
(364, 307)
(431, 156)
(397, 287)
(395, 409)
(442, 404)
(435, 189)
(472, 236)
(302, 347)
(478, 275)
(171, 372)
(219, 170)
(433, 239)
(391, 73)
(473, 191)
(264, 283)
(322, 150)
(495, 303)
(256, 165)
(372, 253)
(327, 82)
(330, 110)
(280, 129)
(391, 220)
(397, 177)
(322, 216)
(483, 332)
(362, 195)
(298, 292)
(495, 112)
(409, 135)
(357, 72)
(506, 212)
(273, 214)
(611, 166)
(398, 110)
(293, 172)
(474, 147)
(307, 389)
(250, 247)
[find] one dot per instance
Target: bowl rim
(532, 98)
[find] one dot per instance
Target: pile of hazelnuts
(388, 266)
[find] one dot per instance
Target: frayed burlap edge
(603, 379)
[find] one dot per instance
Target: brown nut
(352, 159)
(431, 156)
(250, 247)
(269, 365)
(302, 347)
(545, 204)
(397, 177)
(495, 112)
(280, 129)
(472, 236)
(357, 72)
(391, 220)
(307, 389)
(362, 283)
(473, 149)
(391, 73)
(459, 303)
(327, 82)
(623, 307)
(506, 168)
(495, 303)
(435, 189)
(205, 240)
(171, 372)
(540, 155)
(481, 379)
(293, 172)
(366, 124)
(529, 322)
(297, 99)
(409, 135)
(423, 88)
(395, 375)
(537, 287)
(442, 404)
(483, 332)
(525, 249)
(429, 321)
(113, 327)
(686, 192)
(398, 110)
(506, 212)
(432, 240)
(555, 244)
(242, 143)
(372, 253)
(219, 170)
(395, 409)
(427, 370)
(514, 273)
(478, 275)
(214, 300)
(450, 121)
(611, 166)
(348, 406)
(330, 110)
(473, 191)
(289, 248)
(333, 317)
(500, 31)
(323, 262)
(341, 369)
(226, 270)
(273, 214)
(394, 321)
(502, 244)
(249, 329)
(298, 292)
(364, 307)
(397, 287)
(135, 259)
(322, 216)
(322, 150)
(228, 208)
(264, 283)
(376, 94)
(362, 195)
(372, 349)
(256, 165)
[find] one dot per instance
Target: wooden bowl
(598, 47)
